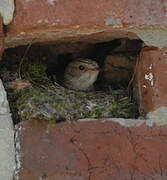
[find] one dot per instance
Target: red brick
(152, 75)
(50, 20)
(92, 151)
(86, 13)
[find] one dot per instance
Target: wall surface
(61, 20)
(116, 149)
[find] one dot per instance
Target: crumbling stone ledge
(7, 150)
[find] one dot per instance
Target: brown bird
(80, 74)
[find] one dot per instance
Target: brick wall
(97, 150)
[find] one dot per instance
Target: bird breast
(86, 80)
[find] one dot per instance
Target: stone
(92, 150)
(118, 68)
(4, 105)
(7, 10)
(159, 116)
(1, 38)
(152, 36)
(7, 150)
(151, 78)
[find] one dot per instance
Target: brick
(118, 69)
(78, 20)
(151, 78)
(82, 20)
(86, 13)
(92, 150)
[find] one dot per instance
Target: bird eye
(81, 67)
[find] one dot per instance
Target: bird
(80, 74)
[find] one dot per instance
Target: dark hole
(117, 58)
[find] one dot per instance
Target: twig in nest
(134, 73)
(22, 59)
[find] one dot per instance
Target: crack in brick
(112, 163)
(140, 155)
(160, 167)
(74, 142)
(90, 166)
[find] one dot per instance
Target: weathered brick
(118, 69)
(92, 151)
(151, 78)
(78, 20)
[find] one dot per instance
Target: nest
(43, 99)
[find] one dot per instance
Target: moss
(62, 104)
(36, 71)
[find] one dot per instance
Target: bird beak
(96, 69)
